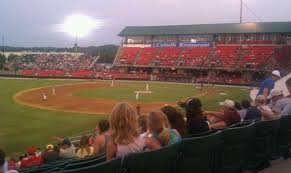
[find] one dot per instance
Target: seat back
(111, 166)
(85, 163)
(86, 159)
(198, 153)
(161, 160)
(264, 143)
(284, 137)
(235, 143)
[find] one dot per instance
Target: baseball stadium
(209, 98)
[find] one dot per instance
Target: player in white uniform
(44, 97)
(54, 91)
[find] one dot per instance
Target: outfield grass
(22, 126)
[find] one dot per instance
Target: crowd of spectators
(66, 62)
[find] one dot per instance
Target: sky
(28, 23)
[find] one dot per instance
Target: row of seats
(229, 56)
(257, 55)
(247, 145)
(57, 73)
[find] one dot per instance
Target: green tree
(3, 60)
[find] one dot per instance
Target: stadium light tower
(2, 46)
(241, 11)
(79, 25)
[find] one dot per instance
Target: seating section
(228, 55)
(195, 56)
(258, 55)
(147, 162)
(128, 55)
(246, 145)
(168, 56)
(147, 56)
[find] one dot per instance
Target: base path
(64, 100)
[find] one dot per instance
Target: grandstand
(188, 49)
(217, 53)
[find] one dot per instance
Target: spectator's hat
(66, 141)
(276, 73)
(275, 92)
(31, 150)
(49, 147)
(227, 103)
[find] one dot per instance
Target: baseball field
(76, 105)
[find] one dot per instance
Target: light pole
(241, 11)
(2, 46)
(76, 44)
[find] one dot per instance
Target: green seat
(235, 142)
(86, 159)
(263, 145)
(112, 166)
(85, 163)
(198, 154)
(201, 134)
(284, 137)
(157, 161)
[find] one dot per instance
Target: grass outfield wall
(22, 126)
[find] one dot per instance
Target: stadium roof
(227, 28)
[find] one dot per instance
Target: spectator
(175, 119)
(245, 106)
(20, 159)
(266, 112)
(196, 122)
(38, 151)
(2, 161)
(101, 141)
(159, 129)
(143, 124)
(31, 159)
(268, 84)
(12, 164)
(253, 113)
(237, 106)
(4, 164)
(125, 134)
(67, 149)
(283, 106)
(228, 117)
(85, 149)
(50, 154)
(275, 95)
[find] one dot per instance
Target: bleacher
(128, 55)
(147, 56)
(228, 55)
(258, 55)
(168, 56)
(243, 146)
(195, 56)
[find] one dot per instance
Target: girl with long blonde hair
(125, 135)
